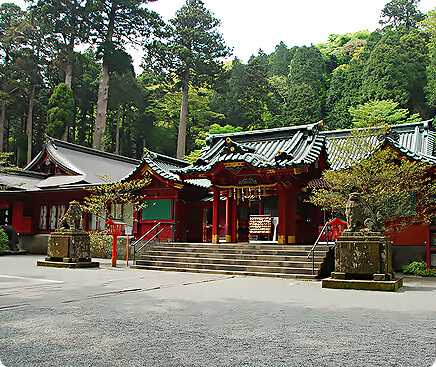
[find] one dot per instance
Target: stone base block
(8, 252)
(369, 285)
(70, 265)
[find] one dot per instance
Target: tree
(398, 187)
(61, 113)
(115, 23)
(255, 89)
(192, 51)
(396, 70)
(119, 192)
(280, 60)
(376, 113)
(306, 82)
(429, 25)
(65, 22)
(401, 12)
(12, 19)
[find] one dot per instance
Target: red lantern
(115, 227)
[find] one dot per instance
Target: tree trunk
(69, 73)
(181, 138)
(103, 90)
(100, 119)
(29, 124)
(117, 138)
(2, 123)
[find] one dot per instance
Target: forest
(51, 85)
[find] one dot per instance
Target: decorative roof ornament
(389, 134)
(231, 147)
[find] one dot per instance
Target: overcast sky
(248, 25)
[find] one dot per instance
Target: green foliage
(3, 239)
(120, 192)
(61, 112)
(401, 13)
(375, 113)
(419, 268)
(396, 69)
(101, 243)
(382, 177)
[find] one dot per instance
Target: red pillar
(292, 216)
(235, 216)
(215, 216)
(287, 228)
(281, 230)
(229, 216)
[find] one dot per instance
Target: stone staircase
(258, 259)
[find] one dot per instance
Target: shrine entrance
(253, 167)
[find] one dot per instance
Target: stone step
(279, 271)
(239, 246)
(229, 272)
(242, 256)
(230, 250)
(150, 259)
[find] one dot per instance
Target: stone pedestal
(363, 261)
(69, 248)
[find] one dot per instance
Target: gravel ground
(123, 317)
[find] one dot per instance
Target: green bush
(3, 239)
(101, 243)
(419, 268)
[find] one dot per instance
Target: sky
(248, 25)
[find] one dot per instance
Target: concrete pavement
(125, 317)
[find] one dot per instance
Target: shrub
(101, 243)
(3, 239)
(419, 268)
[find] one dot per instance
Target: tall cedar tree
(401, 12)
(192, 51)
(11, 19)
(115, 23)
(65, 24)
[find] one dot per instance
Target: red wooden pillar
(287, 228)
(292, 215)
(281, 230)
(234, 208)
(229, 202)
(215, 216)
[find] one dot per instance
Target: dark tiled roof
(88, 165)
(262, 149)
(164, 166)
(415, 139)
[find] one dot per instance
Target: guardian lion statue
(358, 213)
(72, 219)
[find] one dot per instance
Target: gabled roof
(415, 140)
(86, 165)
(20, 180)
(163, 166)
(280, 148)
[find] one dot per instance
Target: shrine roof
(164, 166)
(415, 140)
(279, 148)
(20, 180)
(90, 166)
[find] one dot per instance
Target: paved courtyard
(125, 317)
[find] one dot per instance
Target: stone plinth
(68, 248)
(363, 256)
(363, 260)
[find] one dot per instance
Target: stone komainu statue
(72, 219)
(358, 213)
